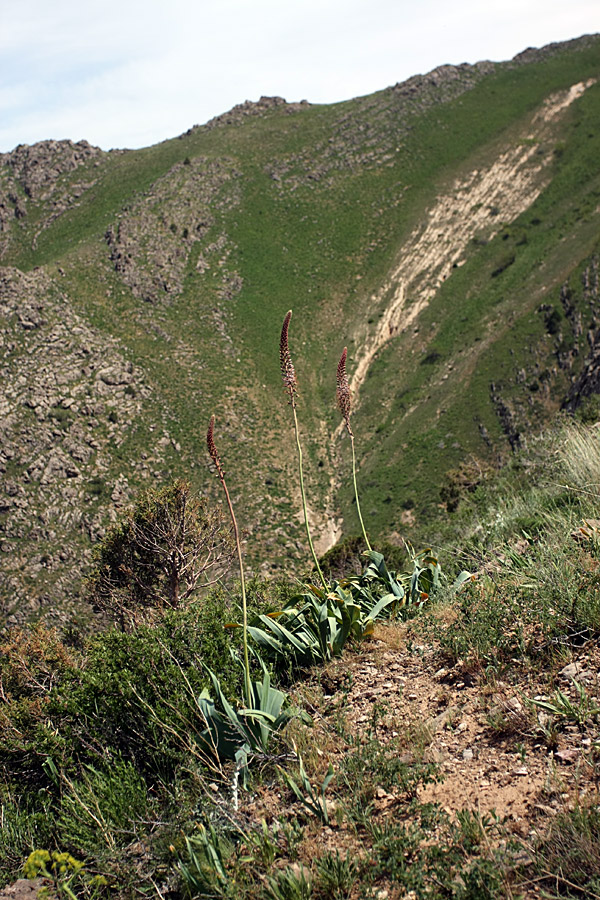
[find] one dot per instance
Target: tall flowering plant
(344, 403)
(290, 384)
(212, 449)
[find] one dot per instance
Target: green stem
(310, 543)
(244, 605)
(362, 524)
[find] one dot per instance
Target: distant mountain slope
(445, 229)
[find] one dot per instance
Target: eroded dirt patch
(480, 202)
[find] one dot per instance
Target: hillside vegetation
(397, 693)
(450, 752)
(445, 230)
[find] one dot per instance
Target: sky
(136, 72)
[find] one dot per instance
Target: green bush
(138, 691)
(88, 741)
(131, 695)
(107, 807)
(26, 824)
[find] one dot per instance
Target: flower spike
(343, 391)
(287, 368)
(291, 387)
(210, 443)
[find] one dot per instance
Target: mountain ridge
(177, 263)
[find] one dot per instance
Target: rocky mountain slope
(444, 229)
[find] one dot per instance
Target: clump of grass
(579, 459)
(567, 860)
(344, 403)
(291, 386)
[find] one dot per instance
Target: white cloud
(144, 70)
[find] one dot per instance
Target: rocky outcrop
(152, 244)
(507, 417)
(536, 54)
(250, 109)
(554, 366)
(36, 168)
(587, 382)
(39, 174)
(68, 396)
(448, 81)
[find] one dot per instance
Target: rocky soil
(485, 737)
(497, 754)
(23, 889)
(67, 398)
(175, 226)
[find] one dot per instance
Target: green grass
(100, 754)
(567, 858)
(323, 246)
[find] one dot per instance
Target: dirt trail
(491, 757)
(500, 192)
(479, 732)
(445, 710)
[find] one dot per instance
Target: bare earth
(450, 716)
(22, 890)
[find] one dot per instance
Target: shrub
(138, 692)
(31, 661)
(25, 824)
(158, 555)
(465, 478)
(106, 807)
(345, 558)
(132, 695)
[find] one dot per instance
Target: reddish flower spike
(212, 449)
(287, 368)
(343, 391)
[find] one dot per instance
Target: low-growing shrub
(106, 807)
(158, 556)
(138, 691)
(486, 628)
(26, 824)
(130, 694)
(32, 660)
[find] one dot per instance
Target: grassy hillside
(144, 290)
(453, 753)
(427, 728)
